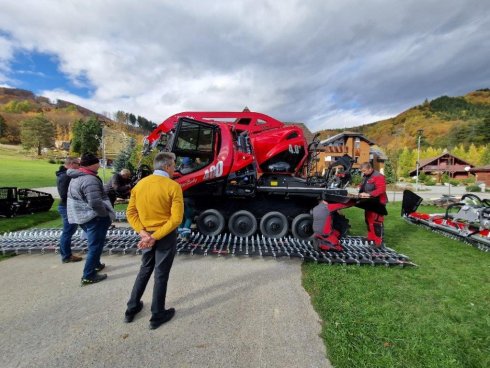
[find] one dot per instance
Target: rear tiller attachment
(468, 220)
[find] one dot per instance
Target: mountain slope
(445, 121)
(17, 105)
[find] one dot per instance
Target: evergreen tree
(123, 160)
(37, 132)
(86, 136)
(390, 173)
(3, 126)
(132, 119)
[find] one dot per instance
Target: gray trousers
(159, 258)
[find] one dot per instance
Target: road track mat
(357, 250)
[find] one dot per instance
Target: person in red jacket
(373, 186)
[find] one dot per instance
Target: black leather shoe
(97, 278)
(167, 316)
(100, 267)
(129, 316)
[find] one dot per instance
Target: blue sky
(38, 72)
(326, 63)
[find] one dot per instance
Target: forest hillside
(445, 122)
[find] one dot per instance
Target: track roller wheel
(301, 227)
(242, 224)
(210, 222)
(274, 225)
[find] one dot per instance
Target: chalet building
(353, 144)
(482, 174)
(445, 163)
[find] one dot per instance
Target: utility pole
(419, 133)
(102, 144)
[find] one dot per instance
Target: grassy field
(23, 171)
(435, 315)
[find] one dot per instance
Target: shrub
(17, 106)
(427, 179)
(469, 180)
(356, 179)
(473, 188)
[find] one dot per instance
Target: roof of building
(378, 152)
(427, 161)
(480, 168)
(345, 134)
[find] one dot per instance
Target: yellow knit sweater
(156, 205)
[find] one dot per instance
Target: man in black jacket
(62, 183)
(119, 186)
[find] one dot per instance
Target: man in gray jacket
(89, 207)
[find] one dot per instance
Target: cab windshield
(193, 145)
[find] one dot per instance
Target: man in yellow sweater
(155, 210)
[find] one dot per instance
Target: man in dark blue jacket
(62, 183)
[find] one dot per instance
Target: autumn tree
(459, 151)
(407, 162)
(485, 156)
(473, 154)
(86, 136)
(121, 117)
(37, 132)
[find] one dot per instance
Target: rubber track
(357, 251)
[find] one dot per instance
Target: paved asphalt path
(231, 312)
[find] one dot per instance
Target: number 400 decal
(214, 171)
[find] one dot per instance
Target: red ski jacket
(375, 185)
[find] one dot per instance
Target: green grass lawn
(23, 171)
(434, 315)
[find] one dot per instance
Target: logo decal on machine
(214, 171)
(294, 149)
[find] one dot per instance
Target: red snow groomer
(246, 171)
(468, 220)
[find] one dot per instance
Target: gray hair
(163, 159)
(71, 160)
(366, 165)
(125, 172)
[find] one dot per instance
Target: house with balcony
(445, 163)
(354, 144)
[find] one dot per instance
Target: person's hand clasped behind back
(146, 240)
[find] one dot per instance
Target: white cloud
(326, 63)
